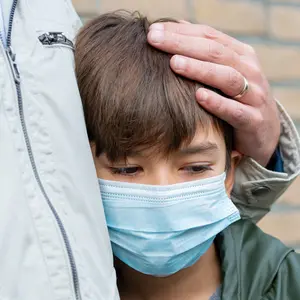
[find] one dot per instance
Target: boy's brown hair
(131, 97)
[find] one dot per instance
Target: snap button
(260, 191)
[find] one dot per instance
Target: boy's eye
(196, 169)
(127, 171)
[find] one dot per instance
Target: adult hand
(218, 60)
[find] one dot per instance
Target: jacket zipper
(14, 68)
(1, 39)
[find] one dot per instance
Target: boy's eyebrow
(200, 148)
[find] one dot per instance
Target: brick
(153, 9)
(284, 1)
(86, 7)
(279, 62)
(285, 22)
(239, 17)
(290, 98)
(291, 196)
(284, 226)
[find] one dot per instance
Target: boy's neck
(199, 281)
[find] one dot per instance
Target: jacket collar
(249, 260)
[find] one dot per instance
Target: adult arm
(261, 125)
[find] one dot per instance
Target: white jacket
(54, 244)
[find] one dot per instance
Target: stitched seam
(284, 256)
(238, 267)
(165, 199)
(291, 131)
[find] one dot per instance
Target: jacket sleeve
(257, 188)
(286, 284)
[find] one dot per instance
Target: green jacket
(257, 266)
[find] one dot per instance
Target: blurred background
(272, 27)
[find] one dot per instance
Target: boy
(166, 169)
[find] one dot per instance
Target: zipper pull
(55, 38)
(13, 65)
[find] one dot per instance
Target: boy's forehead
(208, 134)
(203, 142)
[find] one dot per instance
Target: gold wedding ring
(244, 91)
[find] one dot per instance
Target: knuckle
(240, 117)
(257, 121)
(260, 95)
(250, 49)
(175, 38)
(255, 69)
(210, 72)
(219, 107)
(174, 27)
(215, 50)
(234, 80)
(209, 32)
(177, 44)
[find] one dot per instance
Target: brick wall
(273, 28)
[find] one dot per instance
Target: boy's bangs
(155, 118)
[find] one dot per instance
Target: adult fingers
(194, 47)
(224, 78)
(237, 114)
(203, 31)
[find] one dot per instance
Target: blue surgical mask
(159, 230)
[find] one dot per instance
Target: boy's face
(204, 157)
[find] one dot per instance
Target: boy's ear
(236, 158)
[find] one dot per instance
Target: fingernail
(179, 63)
(203, 95)
(156, 36)
(157, 26)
